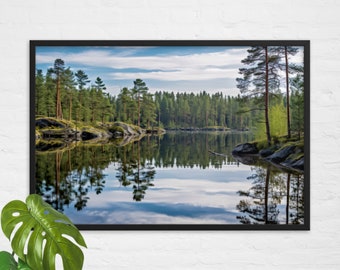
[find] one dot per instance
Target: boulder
(52, 145)
(90, 133)
(46, 122)
(118, 134)
(282, 154)
(266, 152)
(86, 135)
(126, 129)
(289, 156)
(247, 159)
(245, 149)
(299, 164)
(58, 133)
(295, 164)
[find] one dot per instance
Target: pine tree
(82, 79)
(50, 93)
(68, 84)
(124, 100)
(259, 79)
(99, 84)
(284, 52)
(58, 70)
(297, 104)
(40, 94)
(148, 110)
(138, 90)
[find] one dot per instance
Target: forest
(270, 103)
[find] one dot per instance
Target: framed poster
(172, 135)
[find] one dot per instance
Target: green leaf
(41, 228)
(23, 266)
(7, 261)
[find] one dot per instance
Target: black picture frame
(34, 44)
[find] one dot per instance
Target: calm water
(173, 179)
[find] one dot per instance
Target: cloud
(145, 213)
(179, 74)
(195, 66)
(179, 69)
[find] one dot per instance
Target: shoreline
(289, 156)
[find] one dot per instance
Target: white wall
(317, 20)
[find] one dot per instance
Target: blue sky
(165, 68)
(180, 196)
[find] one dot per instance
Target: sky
(165, 68)
(179, 196)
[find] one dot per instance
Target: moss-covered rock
(53, 133)
(117, 131)
(285, 154)
(50, 122)
(52, 128)
(90, 133)
(282, 154)
(51, 145)
(120, 128)
(245, 149)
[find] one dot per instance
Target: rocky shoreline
(55, 133)
(288, 156)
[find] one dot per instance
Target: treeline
(64, 94)
(262, 106)
(181, 110)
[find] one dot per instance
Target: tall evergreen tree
(50, 93)
(69, 84)
(297, 104)
(82, 79)
(139, 89)
(148, 111)
(58, 70)
(99, 84)
(124, 101)
(284, 52)
(40, 93)
(259, 79)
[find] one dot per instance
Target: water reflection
(169, 179)
(275, 197)
(65, 176)
(136, 173)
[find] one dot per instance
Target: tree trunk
(266, 197)
(70, 108)
(59, 114)
(138, 110)
(159, 117)
(287, 93)
(288, 195)
(58, 157)
(266, 106)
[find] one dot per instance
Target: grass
(281, 142)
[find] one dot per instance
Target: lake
(176, 178)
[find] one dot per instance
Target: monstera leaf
(7, 261)
(40, 233)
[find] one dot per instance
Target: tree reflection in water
(271, 189)
(65, 176)
(135, 172)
